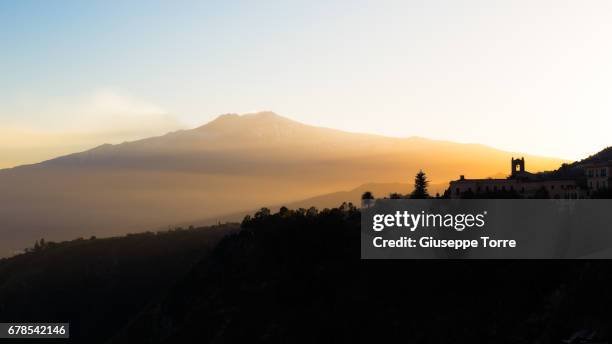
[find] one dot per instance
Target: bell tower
(518, 166)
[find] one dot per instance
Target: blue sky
(530, 76)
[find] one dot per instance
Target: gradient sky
(532, 76)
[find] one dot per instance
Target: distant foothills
(235, 164)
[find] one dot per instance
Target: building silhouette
(521, 183)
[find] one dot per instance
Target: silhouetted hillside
(575, 170)
(603, 156)
(296, 277)
(99, 285)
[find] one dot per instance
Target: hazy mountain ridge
(232, 163)
(329, 200)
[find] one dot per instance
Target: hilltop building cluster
(595, 177)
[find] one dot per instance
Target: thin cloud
(107, 111)
(103, 116)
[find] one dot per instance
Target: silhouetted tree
(263, 212)
(347, 207)
(39, 245)
(420, 186)
(367, 195)
(395, 195)
(312, 211)
(246, 219)
(283, 211)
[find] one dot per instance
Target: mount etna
(233, 164)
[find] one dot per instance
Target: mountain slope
(232, 163)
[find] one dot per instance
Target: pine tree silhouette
(420, 186)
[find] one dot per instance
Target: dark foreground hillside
(99, 285)
(296, 277)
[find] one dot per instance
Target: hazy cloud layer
(103, 116)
